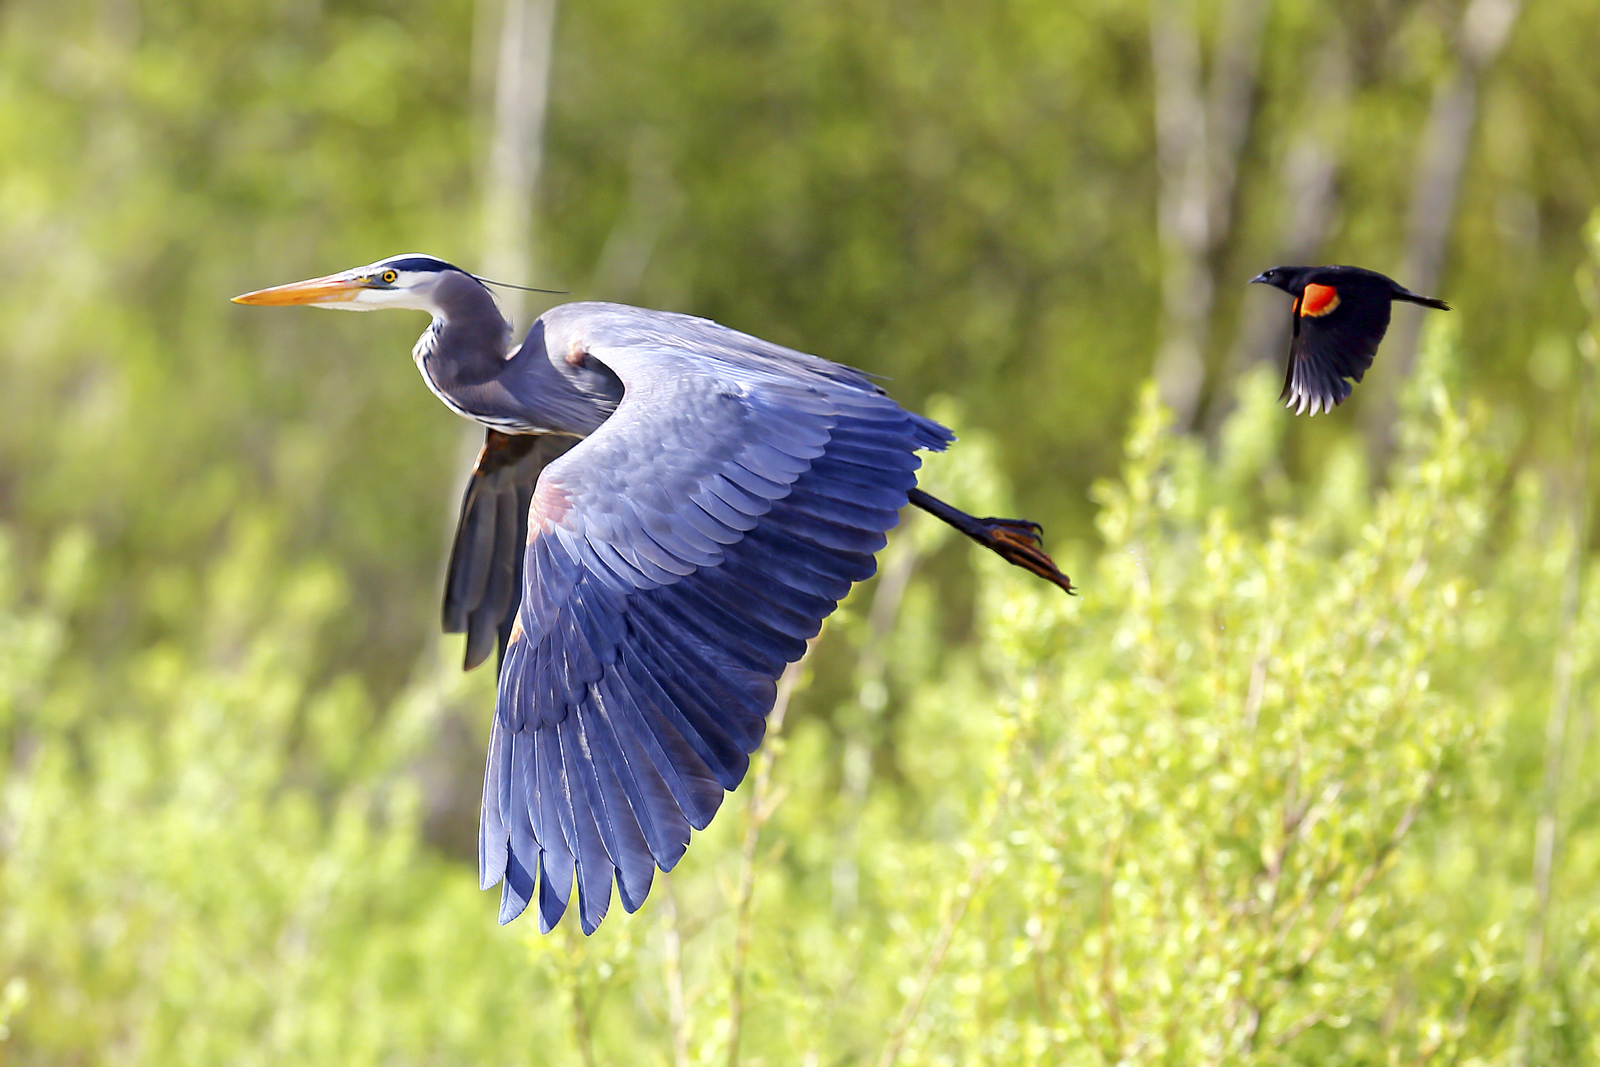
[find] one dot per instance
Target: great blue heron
(1340, 315)
(663, 513)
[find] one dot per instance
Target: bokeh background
(1306, 775)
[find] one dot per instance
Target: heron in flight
(663, 512)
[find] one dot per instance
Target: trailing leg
(1017, 541)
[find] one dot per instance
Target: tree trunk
(511, 74)
(1485, 27)
(1307, 176)
(521, 92)
(1200, 135)
(1182, 210)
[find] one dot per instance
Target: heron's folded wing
(678, 559)
(483, 583)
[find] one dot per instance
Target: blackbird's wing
(483, 583)
(679, 558)
(1337, 329)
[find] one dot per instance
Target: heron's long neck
(464, 356)
(464, 347)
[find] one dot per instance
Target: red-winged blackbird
(1340, 315)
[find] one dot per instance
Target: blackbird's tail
(1425, 301)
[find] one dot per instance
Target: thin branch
(1298, 1027)
(582, 1028)
(1555, 730)
(1252, 1027)
(930, 965)
(1258, 674)
(952, 921)
(1370, 873)
(672, 964)
(763, 802)
(872, 688)
(1108, 991)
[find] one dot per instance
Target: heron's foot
(1019, 542)
(1021, 527)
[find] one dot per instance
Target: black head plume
(522, 288)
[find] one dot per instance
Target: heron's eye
(389, 276)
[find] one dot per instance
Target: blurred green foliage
(1266, 796)
(1269, 792)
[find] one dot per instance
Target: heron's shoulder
(623, 324)
(643, 332)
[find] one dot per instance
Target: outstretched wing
(1337, 329)
(677, 560)
(483, 582)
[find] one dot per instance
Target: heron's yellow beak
(333, 289)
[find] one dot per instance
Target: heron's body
(467, 358)
(664, 512)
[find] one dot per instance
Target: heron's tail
(929, 434)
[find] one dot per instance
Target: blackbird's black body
(1340, 315)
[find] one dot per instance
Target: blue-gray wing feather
(677, 560)
(484, 577)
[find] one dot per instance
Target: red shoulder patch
(1319, 299)
(551, 502)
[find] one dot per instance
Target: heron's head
(1289, 279)
(404, 281)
